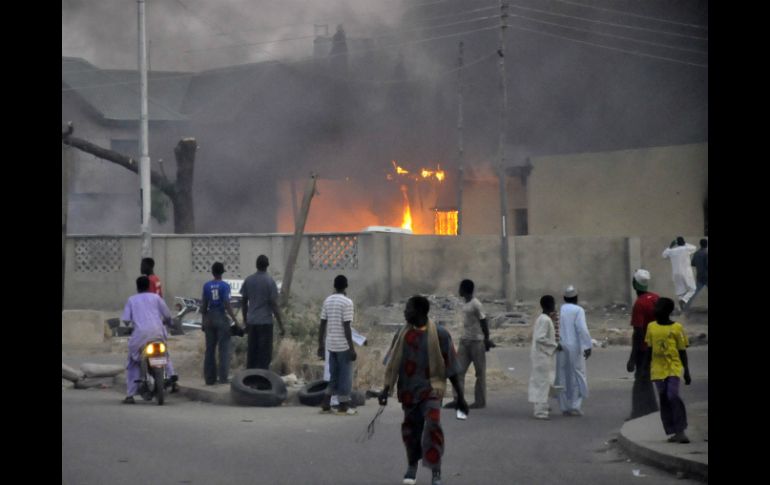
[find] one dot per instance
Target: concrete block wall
(391, 267)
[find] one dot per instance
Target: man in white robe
(571, 361)
(679, 253)
(544, 346)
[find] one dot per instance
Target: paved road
(187, 442)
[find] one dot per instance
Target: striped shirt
(336, 309)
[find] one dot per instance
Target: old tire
(313, 393)
(258, 387)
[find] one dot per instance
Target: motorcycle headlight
(162, 348)
(150, 349)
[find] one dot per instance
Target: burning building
(417, 197)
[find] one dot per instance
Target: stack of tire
(313, 393)
(258, 387)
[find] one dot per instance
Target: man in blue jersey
(215, 302)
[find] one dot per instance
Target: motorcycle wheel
(158, 374)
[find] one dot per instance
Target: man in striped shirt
(336, 337)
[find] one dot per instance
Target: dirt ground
(296, 353)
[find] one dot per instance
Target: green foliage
(159, 204)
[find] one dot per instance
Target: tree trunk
(179, 192)
(184, 215)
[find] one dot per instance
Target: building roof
(115, 93)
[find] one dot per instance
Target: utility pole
(505, 265)
(460, 148)
(66, 154)
(144, 158)
(299, 230)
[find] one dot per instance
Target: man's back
(146, 311)
(701, 262)
(473, 313)
(337, 308)
(216, 292)
(573, 329)
(262, 293)
(680, 258)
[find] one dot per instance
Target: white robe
(681, 270)
(543, 361)
(570, 363)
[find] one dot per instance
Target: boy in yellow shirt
(666, 343)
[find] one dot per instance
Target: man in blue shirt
(215, 302)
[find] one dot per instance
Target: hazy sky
(199, 34)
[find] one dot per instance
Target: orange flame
(399, 170)
(445, 223)
(407, 219)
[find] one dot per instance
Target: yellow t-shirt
(666, 341)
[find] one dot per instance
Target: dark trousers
(260, 347)
(217, 336)
(672, 411)
(643, 400)
(422, 434)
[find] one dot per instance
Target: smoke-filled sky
(582, 75)
(201, 34)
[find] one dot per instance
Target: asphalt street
(104, 441)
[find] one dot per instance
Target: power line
(397, 32)
(313, 58)
(399, 81)
(623, 26)
(247, 44)
(622, 12)
(609, 35)
(705, 66)
(301, 60)
(393, 31)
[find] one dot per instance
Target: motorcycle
(183, 307)
(188, 305)
(153, 382)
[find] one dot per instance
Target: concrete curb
(651, 452)
(670, 463)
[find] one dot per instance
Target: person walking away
(700, 261)
(679, 254)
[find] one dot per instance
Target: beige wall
(481, 205)
(392, 267)
(647, 192)
(597, 266)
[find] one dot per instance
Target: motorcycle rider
(149, 313)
